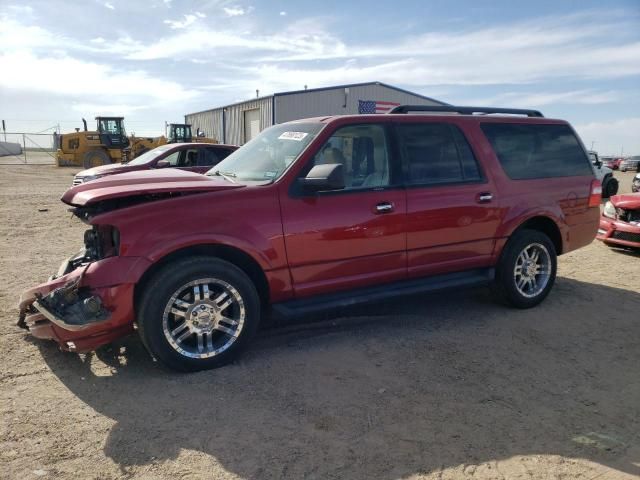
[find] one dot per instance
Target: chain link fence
(28, 148)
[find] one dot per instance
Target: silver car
(630, 164)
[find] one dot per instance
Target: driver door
(353, 237)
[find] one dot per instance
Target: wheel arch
(233, 255)
(545, 225)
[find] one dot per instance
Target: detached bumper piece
(70, 308)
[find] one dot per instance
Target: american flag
(375, 106)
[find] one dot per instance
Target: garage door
(251, 124)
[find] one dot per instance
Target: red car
(315, 214)
(620, 221)
(612, 162)
(194, 157)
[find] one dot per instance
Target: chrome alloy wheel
(532, 270)
(203, 318)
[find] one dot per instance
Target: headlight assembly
(609, 210)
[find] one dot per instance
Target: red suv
(315, 214)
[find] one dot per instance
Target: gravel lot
(442, 386)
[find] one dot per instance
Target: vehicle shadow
(410, 386)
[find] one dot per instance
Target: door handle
(484, 197)
(384, 207)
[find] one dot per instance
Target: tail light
(595, 196)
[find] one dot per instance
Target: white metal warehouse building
(240, 122)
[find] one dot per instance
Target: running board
(318, 303)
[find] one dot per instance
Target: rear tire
(95, 158)
(526, 271)
(198, 313)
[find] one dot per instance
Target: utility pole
(592, 143)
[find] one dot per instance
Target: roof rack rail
(464, 110)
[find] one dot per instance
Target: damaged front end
(89, 301)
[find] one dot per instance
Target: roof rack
(464, 110)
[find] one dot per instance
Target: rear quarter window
(528, 151)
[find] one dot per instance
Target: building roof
(335, 87)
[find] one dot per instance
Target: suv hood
(146, 183)
(628, 201)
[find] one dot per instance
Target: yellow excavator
(109, 143)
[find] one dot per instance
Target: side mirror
(324, 177)
(163, 164)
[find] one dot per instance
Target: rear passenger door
(452, 207)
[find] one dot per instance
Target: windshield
(268, 155)
(150, 155)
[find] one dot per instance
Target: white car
(630, 164)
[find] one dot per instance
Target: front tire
(198, 313)
(526, 271)
(95, 158)
(610, 187)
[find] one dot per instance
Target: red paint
(310, 245)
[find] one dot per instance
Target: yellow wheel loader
(93, 148)
(178, 133)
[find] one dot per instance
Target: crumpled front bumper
(615, 232)
(86, 307)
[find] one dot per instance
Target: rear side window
(537, 151)
(437, 153)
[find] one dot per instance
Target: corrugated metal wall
(210, 121)
(235, 118)
(293, 106)
(330, 102)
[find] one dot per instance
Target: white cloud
(23, 70)
(102, 109)
(109, 6)
(283, 13)
(236, 11)
(200, 14)
(98, 40)
(21, 9)
(611, 137)
(541, 98)
(178, 24)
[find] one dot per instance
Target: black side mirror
(163, 164)
(324, 177)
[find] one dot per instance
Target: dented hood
(629, 201)
(147, 182)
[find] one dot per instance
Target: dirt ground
(437, 387)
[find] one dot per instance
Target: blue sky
(156, 60)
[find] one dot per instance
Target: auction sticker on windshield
(297, 136)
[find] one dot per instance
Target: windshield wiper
(229, 176)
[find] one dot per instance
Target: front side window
(267, 156)
(437, 153)
(189, 158)
(363, 152)
(173, 159)
(537, 151)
